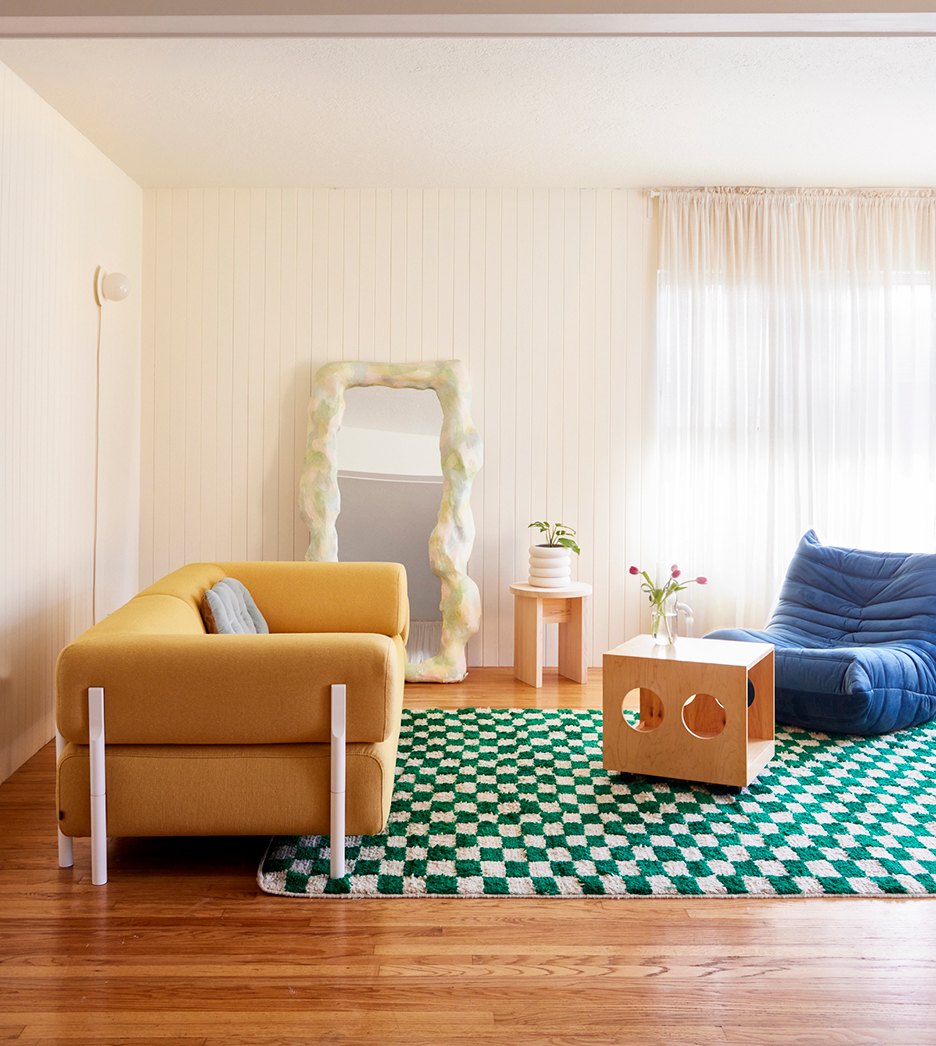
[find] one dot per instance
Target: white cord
(97, 462)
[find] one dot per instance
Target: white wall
(544, 294)
(64, 210)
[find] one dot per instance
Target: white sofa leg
(337, 819)
(66, 849)
(98, 786)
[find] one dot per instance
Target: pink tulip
(634, 570)
(676, 571)
(702, 580)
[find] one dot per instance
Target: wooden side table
(695, 722)
(535, 607)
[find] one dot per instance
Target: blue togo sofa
(855, 639)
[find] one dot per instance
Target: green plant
(557, 534)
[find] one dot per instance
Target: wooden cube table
(535, 607)
(695, 723)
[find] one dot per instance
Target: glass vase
(663, 622)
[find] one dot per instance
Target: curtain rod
(763, 190)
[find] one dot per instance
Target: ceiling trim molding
(914, 23)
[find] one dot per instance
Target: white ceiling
(393, 410)
(509, 111)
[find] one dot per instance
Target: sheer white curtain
(796, 384)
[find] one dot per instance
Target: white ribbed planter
(550, 566)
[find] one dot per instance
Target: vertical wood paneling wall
(543, 293)
(64, 209)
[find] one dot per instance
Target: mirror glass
(390, 482)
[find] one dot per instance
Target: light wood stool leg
(528, 640)
(572, 661)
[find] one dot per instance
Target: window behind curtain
(796, 383)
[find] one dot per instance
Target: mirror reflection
(390, 482)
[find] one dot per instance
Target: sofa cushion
(229, 610)
(835, 596)
(227, 789)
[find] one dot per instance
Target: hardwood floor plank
(836, 1036)
(299, 1021)
(673, 1037)
(713, 1036)
(187, 1040)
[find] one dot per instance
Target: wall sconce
(110, 286)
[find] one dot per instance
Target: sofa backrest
(327, 597)
(293, 597)
(853, 596)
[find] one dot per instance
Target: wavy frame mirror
(453, 536)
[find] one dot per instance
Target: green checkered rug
(516, 803)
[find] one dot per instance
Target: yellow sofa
(231, 734)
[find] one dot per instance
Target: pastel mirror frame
(452, 538)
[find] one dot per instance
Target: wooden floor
(181, 947)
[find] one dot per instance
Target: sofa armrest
(243, 689)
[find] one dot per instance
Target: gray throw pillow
(228, 609)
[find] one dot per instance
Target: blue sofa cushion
(229, 609)
(855, 639)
